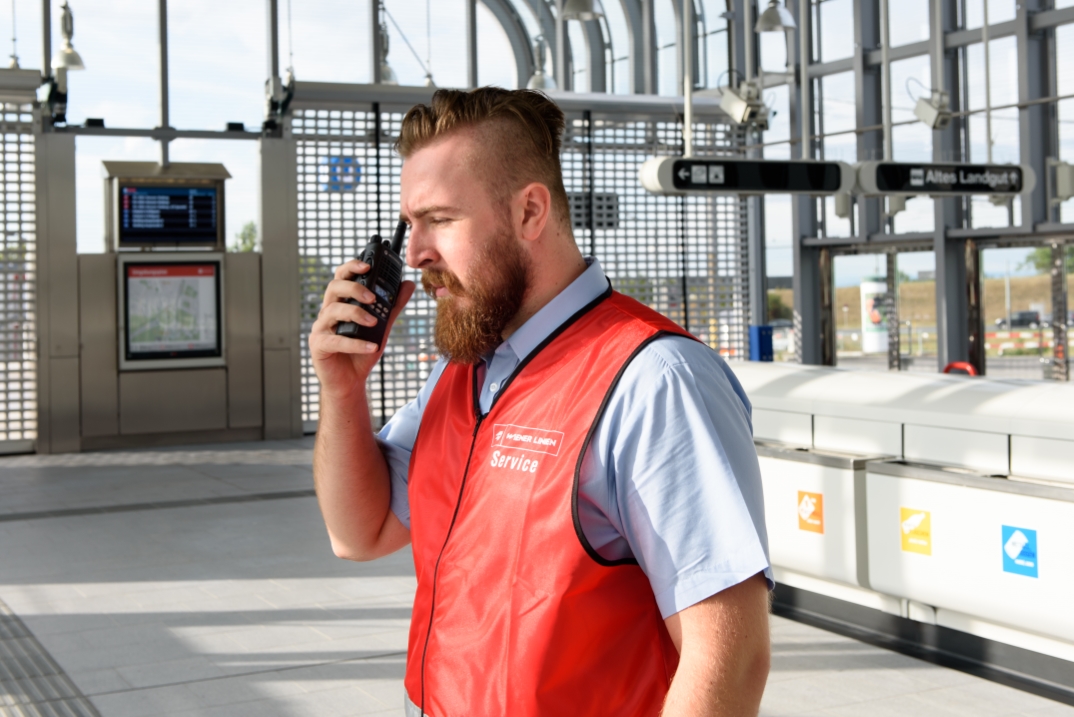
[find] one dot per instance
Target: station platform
(199, 581)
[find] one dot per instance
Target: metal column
(280, 289)
(272, 27)
(648, 32)
(1060, 367)
(814, 333)
(376, 45)
(958, 307)
(1034, 127)
(471, 43)
(868, 111)
(758, 264)
(46, 38)
(162, 26)
(894, 347)
(58, 419)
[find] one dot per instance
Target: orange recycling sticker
(811, 511)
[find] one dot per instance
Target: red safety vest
(515, 614)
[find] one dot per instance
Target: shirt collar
(578, 294)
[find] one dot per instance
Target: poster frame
(126, 363)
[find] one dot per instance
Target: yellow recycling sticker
(916, 529)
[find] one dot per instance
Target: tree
(246, 239)
(1041, 260)
(777, 309)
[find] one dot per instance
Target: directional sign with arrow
(944, 179)
(677, 175)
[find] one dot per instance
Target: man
(583, 496)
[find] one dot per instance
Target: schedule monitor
(171, 312)
(175, 214)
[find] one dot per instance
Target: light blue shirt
(671, 476)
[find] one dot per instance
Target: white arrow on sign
(684, 173)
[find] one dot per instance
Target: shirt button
(494, 387)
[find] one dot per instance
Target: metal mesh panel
(18, 275)
(657, 249)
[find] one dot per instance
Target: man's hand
(342, 363)
(724, 653)
(349, 471)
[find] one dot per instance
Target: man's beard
(465, 332)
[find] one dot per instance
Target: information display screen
(172, 310)
(172, 215)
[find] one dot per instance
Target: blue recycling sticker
(1020, 551)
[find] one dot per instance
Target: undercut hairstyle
(521, 134)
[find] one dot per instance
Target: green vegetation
(777, 309)
(246, 239)
(1041, 260)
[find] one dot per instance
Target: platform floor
(200, 582)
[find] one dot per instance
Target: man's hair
(521, 136)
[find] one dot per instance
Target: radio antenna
(397, 238)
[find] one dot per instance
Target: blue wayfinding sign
(1019, 551)
(339, 174)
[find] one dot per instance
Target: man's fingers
(343, 289)
(338, 311)
(323, 345)
(351, 268)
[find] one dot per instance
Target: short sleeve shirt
(670, 478)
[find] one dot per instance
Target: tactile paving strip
(31, 683)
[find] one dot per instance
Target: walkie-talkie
(383, 279)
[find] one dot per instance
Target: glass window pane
(916, 276)
(834, 226)
(779, 128)
(619, 79)
(859, 345)
(667, 68)
(908, 21)
(1017, 309)
(579, 57)
(835, 29)
(861, 313)
(714, 47)
(779, 267)
(910, 142)
(201, 95)
(919, 216)
(998, 11)
(837, 103)
(716, 57)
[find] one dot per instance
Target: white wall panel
(783, 427)
(855, 435)
(976, 450)
(1042, 458)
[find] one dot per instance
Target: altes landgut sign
(943, 179)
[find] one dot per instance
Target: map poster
(172, 310)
